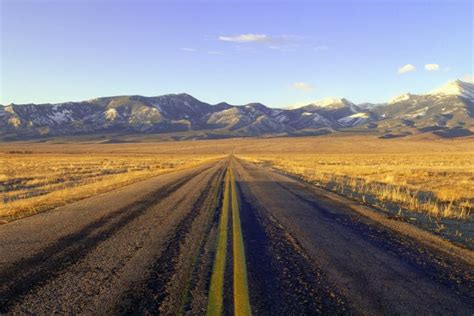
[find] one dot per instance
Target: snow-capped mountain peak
(323, 103)
(458, 88)
(328, 102)
(408, 114)
(400, 98)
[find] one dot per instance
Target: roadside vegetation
(32, 182)
(428, 176)
(437, 184)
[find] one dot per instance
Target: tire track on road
(24, 276)
(375, 270)
(277, 264)
(215, 305)
(153, 294)
(427, 261)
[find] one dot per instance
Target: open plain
(215, 232)
(279, 158)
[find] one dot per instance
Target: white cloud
(281, 42)
(214, 52)
(187, 49)
(246, 38)
(406, 68)
(432, 67)
(468, 78)
(303, 86)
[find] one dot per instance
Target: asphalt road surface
(152, 248)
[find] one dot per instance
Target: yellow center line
(216, 293)
(216, 290)
(241, 293)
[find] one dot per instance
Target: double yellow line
(216, 293)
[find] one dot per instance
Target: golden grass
(35, 182)
(439, 184)
(50, 174)
(320, 145)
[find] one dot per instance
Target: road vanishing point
(227, 237)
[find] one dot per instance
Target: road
(223, 237)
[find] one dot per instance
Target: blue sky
(278, 53)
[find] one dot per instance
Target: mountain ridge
(446, 112)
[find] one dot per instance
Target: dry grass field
(439, 184)
(435, 177)
(31, 182)
(218, 237)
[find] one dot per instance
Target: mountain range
(445, 112)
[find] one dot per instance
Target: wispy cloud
(280, 42)
(432, 67)
(187, 49)
(214, 52)
(246, 38)
(303, 86)
(406, 68)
